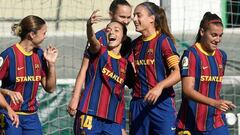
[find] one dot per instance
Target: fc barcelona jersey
(208, 71)
(103, 95)
(21, 71)
(150, 60)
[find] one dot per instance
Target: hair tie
(214, 21)
(151, 11)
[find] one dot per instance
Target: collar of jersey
(151, 36)
(115, 56)
(22, 50)
(199, 46)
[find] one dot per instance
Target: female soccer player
(119, 10)
(101, 105)
(202, 70)
(156, 64)
(25, 64)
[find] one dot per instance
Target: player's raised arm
(94, 43)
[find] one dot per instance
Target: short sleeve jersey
(208, 71)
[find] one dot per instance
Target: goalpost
(66, 20)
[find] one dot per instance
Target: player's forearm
(81, 78)
(198, 97)
(94, 43)
(79, 85)
(189, 92)
(4, 91)
(3, 102)
(171, 80)
(51, 78)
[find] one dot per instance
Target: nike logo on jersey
(204, 67)
(20, 68)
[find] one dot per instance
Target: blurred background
(66, 20)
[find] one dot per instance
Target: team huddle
(149, 65)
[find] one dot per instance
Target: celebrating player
(202, 70)
(24, 65)
(119, 10)
(101, 105)
(156, 64)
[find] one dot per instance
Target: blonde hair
(28, 24)
(16, 29)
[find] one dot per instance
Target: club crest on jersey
(185, 62)
(37, 66)
(1, 61)
(150, 51)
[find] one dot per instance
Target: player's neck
(148, 32)
(26, 45)
(115, 50)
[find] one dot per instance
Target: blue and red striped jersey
(151, 60)
(103, 95)
(21, 72)
(208, 71)
(125, 51)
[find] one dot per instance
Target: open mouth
(111, 38)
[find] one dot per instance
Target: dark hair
(123, 27)
(207, 19)
(28, 24)
(115, 3)
(160, 18)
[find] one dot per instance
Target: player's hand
(224, 105)
(13, 116)
(50, 54)
(16, 97)
(124, 132)
(94, 18)
(72, 106)
(153, 95)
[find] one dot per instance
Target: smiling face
(142, 19)
(211, 37)
(114, 33)
(122, 14)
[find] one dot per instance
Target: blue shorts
(92, 125)
(157, 119)
(223, 130)
(28, 124)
